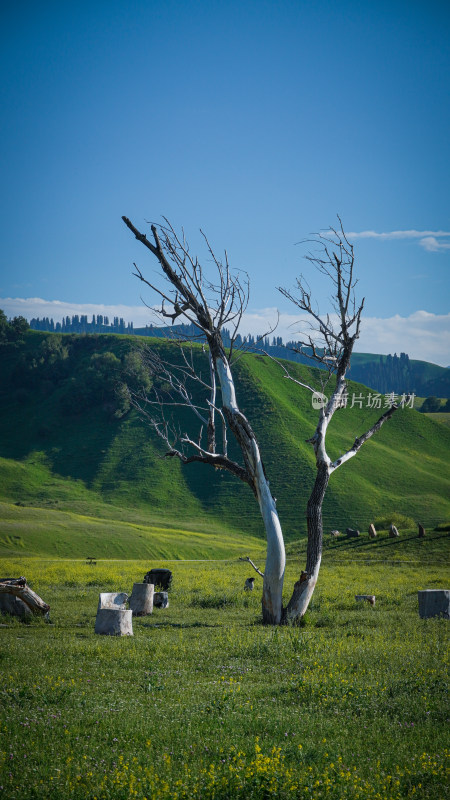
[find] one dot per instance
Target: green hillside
(75, 459)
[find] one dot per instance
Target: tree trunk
(272, 599)
(304, 588)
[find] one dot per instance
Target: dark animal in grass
(248, 586)
(159, 577)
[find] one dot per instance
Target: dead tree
(189, 295)
(329, 346)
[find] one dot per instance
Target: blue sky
(256, 121)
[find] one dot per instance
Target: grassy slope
(402, 468)
(441, 417)
(110, 473)
(64, 534)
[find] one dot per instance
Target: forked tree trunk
(228, 303)
(304, 588)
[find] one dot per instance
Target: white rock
(114, 622)
(112, 599)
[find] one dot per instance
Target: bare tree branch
(288, 375)
(360, 440)
(246, 558)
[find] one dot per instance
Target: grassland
(26, 531)
(204, 702)
(74, 471)
(441, 417)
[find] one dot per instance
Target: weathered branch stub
(18, 599)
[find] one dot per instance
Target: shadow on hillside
(73, 446)
(373, 545)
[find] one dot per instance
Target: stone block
(159, 577)
(434, 603)
(112, 600)
(141, 599)
(369, 597)
(114, 622)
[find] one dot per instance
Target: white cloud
(431, 244)
(424, 336)
(429, 240)
(411, 234)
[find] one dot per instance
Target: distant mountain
(385, 374)
(400, 374)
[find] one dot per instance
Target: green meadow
(204, 701)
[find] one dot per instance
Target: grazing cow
(159, 577)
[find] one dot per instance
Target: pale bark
(272, 599)
(272, 602)
(20, 588)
